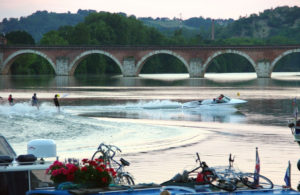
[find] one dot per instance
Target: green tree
(80, 35)
(53, 38)
(19, 37)
(31, 64)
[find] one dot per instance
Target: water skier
(56, 102)
(10, 100)
(34, 101)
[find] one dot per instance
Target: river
(144, 117)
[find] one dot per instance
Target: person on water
(56, 102)
(10, 100)
(34, 101)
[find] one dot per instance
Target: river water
(144, 117)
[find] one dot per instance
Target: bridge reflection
(230, 80)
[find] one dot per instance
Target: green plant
(61, 172)
(92, 173)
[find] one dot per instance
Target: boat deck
(153, 191)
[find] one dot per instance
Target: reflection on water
(210, 80)
(186, 115)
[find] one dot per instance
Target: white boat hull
(212, 103)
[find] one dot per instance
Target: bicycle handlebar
(107, 149)
(116, 148)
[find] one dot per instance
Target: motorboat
(221, 101)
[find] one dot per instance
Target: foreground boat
(18, 174)
(25, 174)
(221, 101)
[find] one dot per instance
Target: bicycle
(207, 176)
(251, 180)
(210, 176)
(107, 153)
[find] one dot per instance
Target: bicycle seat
(124, 162)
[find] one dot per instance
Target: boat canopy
(5, 148)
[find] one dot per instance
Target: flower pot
(91, 184)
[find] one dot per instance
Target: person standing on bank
(56, 102)
(34, 101)
(10, 100)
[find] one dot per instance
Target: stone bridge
(130, 59)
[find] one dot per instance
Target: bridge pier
(62, 66)
(129, 69)
(263, 69)
(196, 68)
(61, 81)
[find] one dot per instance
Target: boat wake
(75, 134)
(75, 125)
(25, 109)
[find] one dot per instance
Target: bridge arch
(82, 55)
(142, 61)
(273, 64)
(10, 59)
(228, 51)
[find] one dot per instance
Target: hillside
(270, 24)
(191, 26)
(278, 25)
(42, 22)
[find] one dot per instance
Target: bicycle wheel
(125, 179)
(223, 184)
(248, 180)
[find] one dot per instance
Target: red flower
(113, 172)
(91, 171)
(100, 160)
(71, 168)
(93, 163)
(85, 160)
(64, 171)
(57, 163)
(99, 169)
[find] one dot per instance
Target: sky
(184, 9)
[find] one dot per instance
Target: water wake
(75, 133)
(25, 109)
